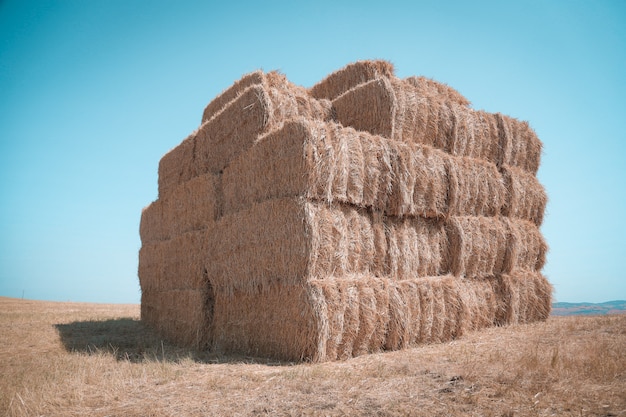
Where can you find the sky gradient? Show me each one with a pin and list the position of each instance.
(93, 93)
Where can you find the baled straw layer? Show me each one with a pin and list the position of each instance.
(291, 240)
(407, 111)
(324, 161)
(341, 317)
(487, 246)
(256, 109)
(350, 76)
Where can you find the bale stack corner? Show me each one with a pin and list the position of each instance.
(363, 214)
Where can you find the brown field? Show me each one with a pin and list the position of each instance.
(74, 359)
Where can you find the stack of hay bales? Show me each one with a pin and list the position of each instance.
(366, 213)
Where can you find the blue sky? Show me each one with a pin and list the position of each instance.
(93, 93)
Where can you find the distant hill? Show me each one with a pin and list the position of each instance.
(572, 309)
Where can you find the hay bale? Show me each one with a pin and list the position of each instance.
(519, 144)
(525, 196)
(178, 315)
(174, 264)
(340, 317)
(478, 245)
(228, 95)
(524, 297)
(253, 111)
(479, 303)
(420, 182)
(297, 239)
(431, 88)
(279, 323)
(350, 76)
(279, 233)
(176, 167)
(151, 225)
(192, 205)
(368, 107)
(410, 111)
(418, 311)
(325, 161)
(487, 246)
(475, 187)
(416, 247)
(526, 247)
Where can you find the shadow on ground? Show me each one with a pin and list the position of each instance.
(129, 339)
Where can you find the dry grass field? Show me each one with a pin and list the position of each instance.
(73, 359)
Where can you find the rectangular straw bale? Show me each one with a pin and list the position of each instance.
(325, 161)
(191, 205)
(475, 187)
(407, 111)
(351, 297)
(526, 248)
(434, 119)
(479, 303)
(519, 143)
(342, 240)
(151, 265)
(178, 315)
(232, 130)
(486, 246)
(151, 225)
(174, 264)
(368, 107)
(303, 158)
(228, 95)
(350, 76)
(525, 196)
(416, 311)
(296, 239)
(478, 245)
(420, 181)
(264, 245)
(176, 166)
(416, 247)
(278, 323)
(428, 87)
(524, 297)
(257, 109)
(184, 261)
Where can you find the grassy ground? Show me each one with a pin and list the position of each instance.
(71, 359)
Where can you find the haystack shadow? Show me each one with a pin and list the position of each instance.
(128, 339)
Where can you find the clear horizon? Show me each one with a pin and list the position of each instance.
(94, 93)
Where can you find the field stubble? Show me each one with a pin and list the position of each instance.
(75, 359)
